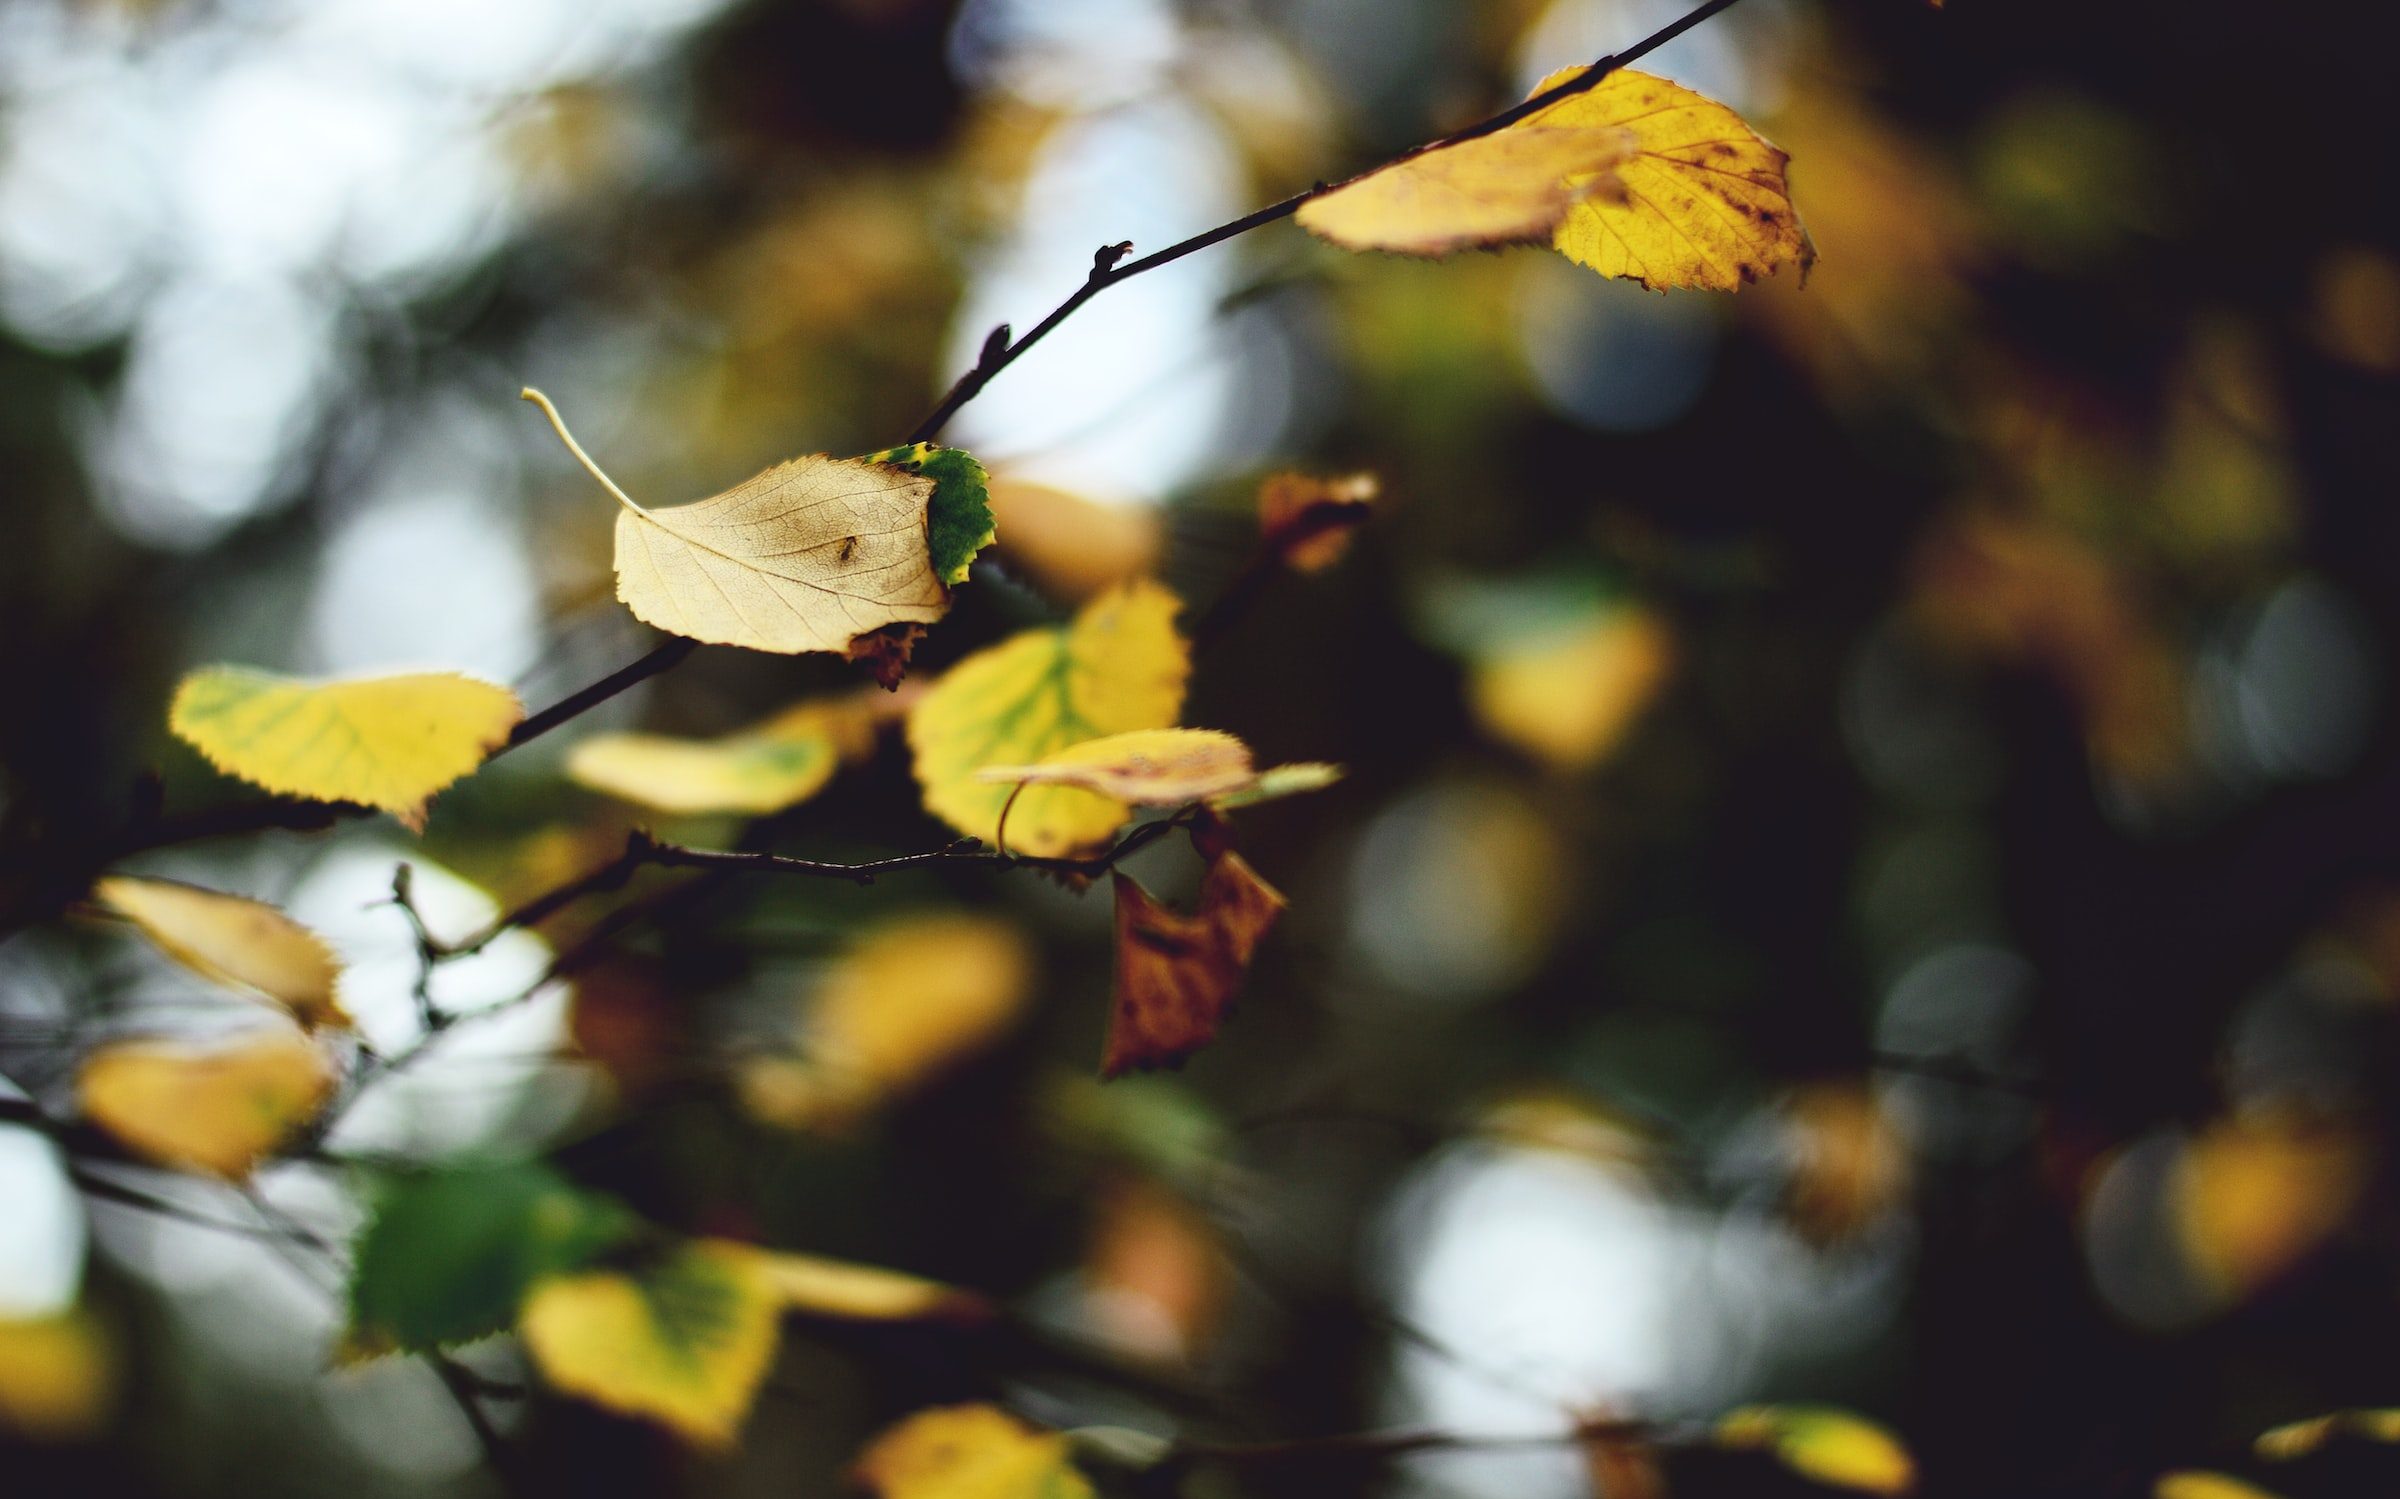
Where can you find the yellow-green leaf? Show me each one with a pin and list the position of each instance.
(867, 1293)
(1702, 200)
(1821, 1442)
(684, 1340)
(969, 1452)
(765, 768)
(1147, 768)
(2196, 1483)
(2299, 1438)
(1278, 781)
(388, 742)
(1118, 666)
(57, 1377)
(1512, 187)
(218, 1110)
(912, 996)
(232, 940)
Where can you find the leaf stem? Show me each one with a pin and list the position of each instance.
(558, 424)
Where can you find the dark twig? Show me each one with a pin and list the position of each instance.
(1109, 265)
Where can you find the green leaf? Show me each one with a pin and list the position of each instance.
(958, 521)
(448, 1255)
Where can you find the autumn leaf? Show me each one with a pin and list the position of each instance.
(1177, 974)
(1701, 200)
(2297, 1439)
(810, 555)
(1306, 519)
(958, 519)
(1568, 694)
(1824, 1443)
(389, 742)
(969, 1452)
(908, 999)
(1119, 665)
(684, 1339)
(2198, 1483)
(2250, 1197)
(1145, 768)
(58, 1377)
(1511, 187)
(1279, 781)
(821, 1287)
(765, 768)
(230, 940)
(1069, 546)
(218, 1110)
(448, 1255)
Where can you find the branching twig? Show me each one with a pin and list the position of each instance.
(1110, 267)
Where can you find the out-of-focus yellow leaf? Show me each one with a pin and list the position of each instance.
(2296, 1439)
(1849, 1163)
(57, 1377)
(1118, 666)
(217, 1109)
(1070, 546)
(2196, 1483)
(232, 940)
(1177, 974)
(1156, 1275)
(1147, 767)
(1512, 187)
(764, 768)
(969, 1452)
(1701, 201)
(867, 1293)
(909, 999)
(2356, 316)
(1306, 519)
(684, 1340)
(1821, 1442)
(2251, 1196)
(810, 555)
(389, 742)
(1567, 696)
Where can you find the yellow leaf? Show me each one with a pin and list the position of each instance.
(838, 1288)
(1828, 1445)
(1177, 974)
(807, 556)
(1306, 520)
(1567, 697)
(57, 1377)
(685, 1340)
(2252, 1196)
(2194, 1483)
(1512, 187)
(1701, 202)
(218, 1110)
(1072, 547)
(969, 1452)
(765, 768)
(1147, 768)
(1277, 782)
(2300, 1438)
(389, 742)
(910, 998)
(232, 940)
(1850, 1164)
(1118, 666)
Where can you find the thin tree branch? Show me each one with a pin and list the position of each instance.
(1110, 267)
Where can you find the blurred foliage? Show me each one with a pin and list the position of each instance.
(1869, 869)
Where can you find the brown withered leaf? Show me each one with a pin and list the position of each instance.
(1177, 974)
(885, 652)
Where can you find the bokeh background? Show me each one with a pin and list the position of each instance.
(1870, 870)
